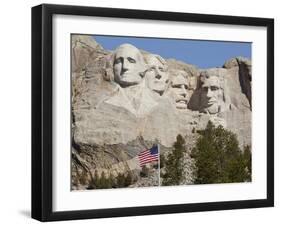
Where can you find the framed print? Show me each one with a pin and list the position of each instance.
(146, 112)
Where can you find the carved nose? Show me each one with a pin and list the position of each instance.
(125, 65)
(124, 70)
(158, 76)
(183, 94)
(183, 91)
(209, 93)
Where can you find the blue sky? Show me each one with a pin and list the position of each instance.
(203, 54)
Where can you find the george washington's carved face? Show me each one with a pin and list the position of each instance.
(128, 65)
(211, 95)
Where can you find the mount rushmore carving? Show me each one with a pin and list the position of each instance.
(126, 100)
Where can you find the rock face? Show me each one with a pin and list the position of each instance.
(126, 101)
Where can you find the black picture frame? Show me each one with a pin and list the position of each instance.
(42, 107)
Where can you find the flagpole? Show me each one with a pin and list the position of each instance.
(158, 146)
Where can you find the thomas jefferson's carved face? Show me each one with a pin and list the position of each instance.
(157, 76)
(211, 95)
(179, 90)
(128, 65)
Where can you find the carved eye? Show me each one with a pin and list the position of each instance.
(151, 69)
(131, 60)
(214, 88)
(161, 69)
(205, 89)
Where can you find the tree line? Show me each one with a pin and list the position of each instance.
(103, 182)
(217, 157)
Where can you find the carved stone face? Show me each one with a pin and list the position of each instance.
(211, 95)
(179, 91)
(128, 65)
(157, 76)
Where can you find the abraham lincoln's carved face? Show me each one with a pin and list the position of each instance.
(211, 95)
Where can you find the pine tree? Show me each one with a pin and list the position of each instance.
(144, 171)
(95, 182)
(128, 179)
(110, 181)
(248, 161)
(162, 161)
(173, 165)
(218, 158)
(103, 183)
(120, 180)
(83, 177)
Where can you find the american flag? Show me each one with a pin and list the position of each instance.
(148, 156)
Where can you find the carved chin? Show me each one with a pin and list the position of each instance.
(181, 105)
(159, 89)
(213, 109)
(129, 80)
(157, 85)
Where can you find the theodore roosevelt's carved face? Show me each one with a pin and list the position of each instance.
(179, 90)
(128, 65)
(156, 75)
(211, 95)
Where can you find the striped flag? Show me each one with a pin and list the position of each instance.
(148, 156)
